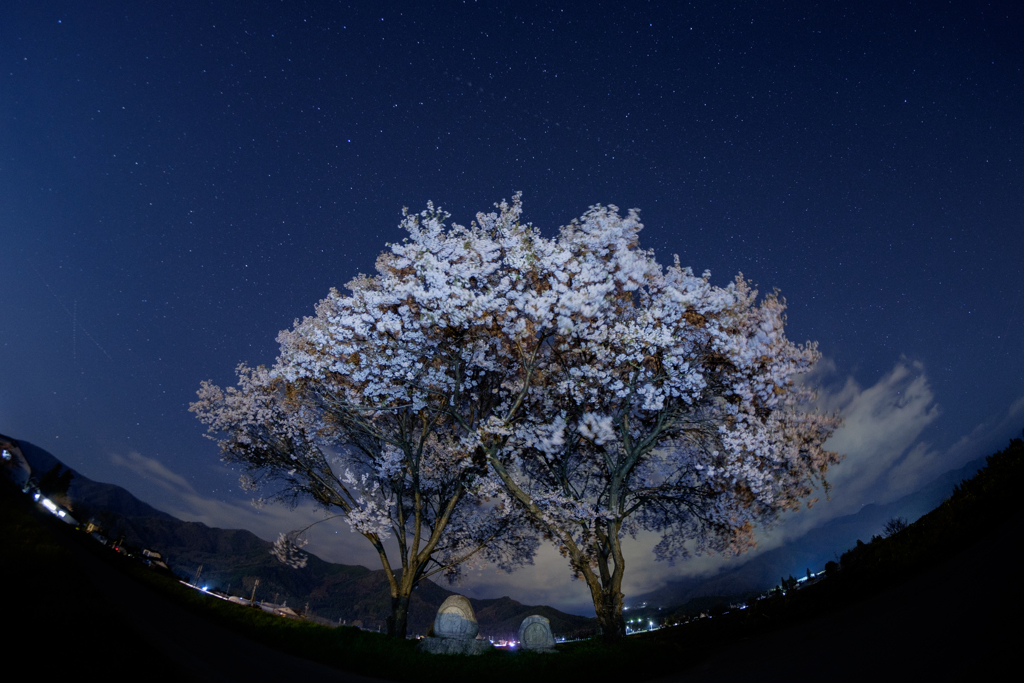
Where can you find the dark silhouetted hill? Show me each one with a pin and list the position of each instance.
(811, 551)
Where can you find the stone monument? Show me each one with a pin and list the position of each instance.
(455, 630)
(535, 634)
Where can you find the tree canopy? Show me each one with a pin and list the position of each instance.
(489, 381)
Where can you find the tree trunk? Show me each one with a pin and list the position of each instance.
(398, 622)
(609, 614)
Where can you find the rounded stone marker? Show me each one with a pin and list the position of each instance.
(535, 634)
(456, 619)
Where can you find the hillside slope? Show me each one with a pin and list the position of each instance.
(811, 551)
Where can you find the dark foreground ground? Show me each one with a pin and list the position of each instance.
(959, 621)
(68, 612)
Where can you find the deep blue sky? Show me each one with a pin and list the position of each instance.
(180, 181)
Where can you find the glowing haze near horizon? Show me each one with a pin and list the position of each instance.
(178, 184)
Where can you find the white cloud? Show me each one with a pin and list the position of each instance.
(153, 471)
(880, 425)
(923, 463)
(331, 540)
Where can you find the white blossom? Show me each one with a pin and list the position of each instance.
(286, 550)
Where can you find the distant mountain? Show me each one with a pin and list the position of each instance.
(233, 559)
(810, 551)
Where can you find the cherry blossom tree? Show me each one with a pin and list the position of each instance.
(367, 412)
(651, 400)
(488, 375)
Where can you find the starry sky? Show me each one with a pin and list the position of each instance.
(181, 180)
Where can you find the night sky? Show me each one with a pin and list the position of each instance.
(181, 180)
